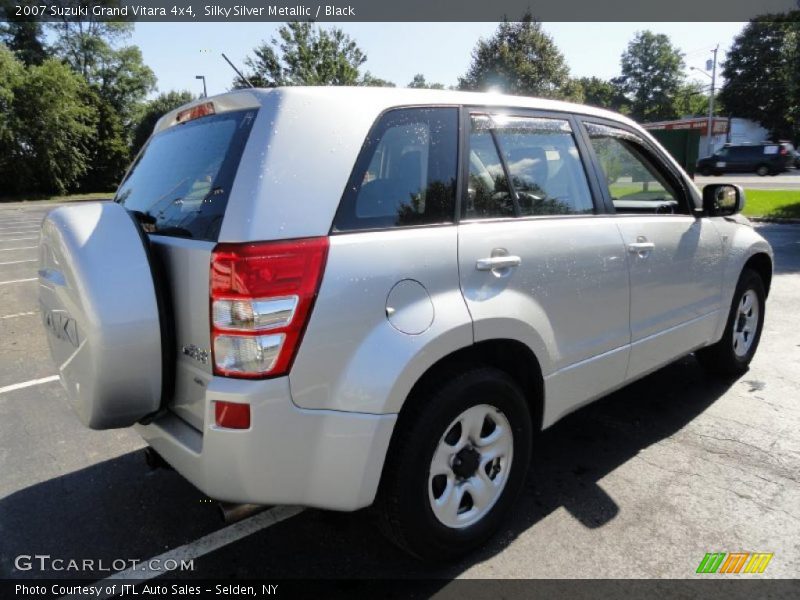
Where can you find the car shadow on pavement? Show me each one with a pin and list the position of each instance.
(570, 459)
(120, 509)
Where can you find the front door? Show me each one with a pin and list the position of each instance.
(673, 255)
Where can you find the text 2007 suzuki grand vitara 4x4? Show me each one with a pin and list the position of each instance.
(339, 297)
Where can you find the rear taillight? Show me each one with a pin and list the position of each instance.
(261, 298)
(783, 151)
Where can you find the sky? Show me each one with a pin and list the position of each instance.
(177, 52)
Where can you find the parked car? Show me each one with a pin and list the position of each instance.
(767, 158)
(339, 298)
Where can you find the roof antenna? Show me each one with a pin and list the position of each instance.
(238, 72)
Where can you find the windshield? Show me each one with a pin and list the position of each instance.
(180, 183)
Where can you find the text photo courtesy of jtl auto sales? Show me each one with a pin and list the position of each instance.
(379, 299)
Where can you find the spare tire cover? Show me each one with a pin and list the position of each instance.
(98, 302)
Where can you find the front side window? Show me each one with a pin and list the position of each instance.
(524, 166)
(406, 172)
(636, 183)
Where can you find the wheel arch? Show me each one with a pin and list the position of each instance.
(511, 356)
(761, 263)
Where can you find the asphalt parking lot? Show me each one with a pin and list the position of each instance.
(638, 485)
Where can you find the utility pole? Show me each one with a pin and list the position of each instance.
(203, 77)
(713, 66)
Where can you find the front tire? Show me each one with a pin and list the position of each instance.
(732, 354)
(456, 464)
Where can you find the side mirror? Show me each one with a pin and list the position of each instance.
(722, 199)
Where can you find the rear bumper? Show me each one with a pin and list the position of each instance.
(319, 458)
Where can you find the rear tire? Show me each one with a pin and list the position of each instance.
(762, 170)
(475, 429)
(732, 354)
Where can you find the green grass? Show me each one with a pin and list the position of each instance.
(780, 204)
(67, 198)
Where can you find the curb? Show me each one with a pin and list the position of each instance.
(778, 220)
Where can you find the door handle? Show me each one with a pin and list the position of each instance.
(641, 249)
(497, 262)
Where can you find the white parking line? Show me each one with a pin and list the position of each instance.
(20, 239)
(20, 232)
(209, 543)
(18, 248)
(17, 281)
(18, 262)
(27, 384)
(25, 314)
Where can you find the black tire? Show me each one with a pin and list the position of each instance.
(762, 170)
(705, 171)
(721, 358)
(403, 507)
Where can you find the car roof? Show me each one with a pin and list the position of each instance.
(378, 99)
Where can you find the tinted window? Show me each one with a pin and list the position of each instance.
(406, 172)
(541, 172)
(181, 181)
(488, 194)
(636, 181)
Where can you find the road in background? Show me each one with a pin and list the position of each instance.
(790, 180)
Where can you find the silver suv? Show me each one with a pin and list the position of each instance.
(339, 297)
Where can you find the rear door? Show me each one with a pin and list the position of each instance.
(673, 255)
(538, 261)
(178, 189)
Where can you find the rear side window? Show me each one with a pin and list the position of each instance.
(180, 183)
(406, 172)
(524, 166)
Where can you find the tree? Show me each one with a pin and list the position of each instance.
(24, 38)
(305, 55)
(420, 83)
(11, 74)
(692, 100)
(369, 80)
(119, 82)
(83, 41)
(762, 74)
(603, 94)
(520, 58)
(54, 126)
(652, 73)
(152, 111)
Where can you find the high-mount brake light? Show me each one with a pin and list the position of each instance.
(262, 295)
(195, 112)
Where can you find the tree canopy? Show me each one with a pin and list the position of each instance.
(305, 54)
(520, 58)
(652, 74)
(419, 82)
(762, 74)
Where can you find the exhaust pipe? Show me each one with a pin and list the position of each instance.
(155, 461)
(232, 512)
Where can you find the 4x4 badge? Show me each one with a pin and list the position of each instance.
(196, 353)
(62, 326)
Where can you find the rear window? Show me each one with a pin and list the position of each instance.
(180, 183)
